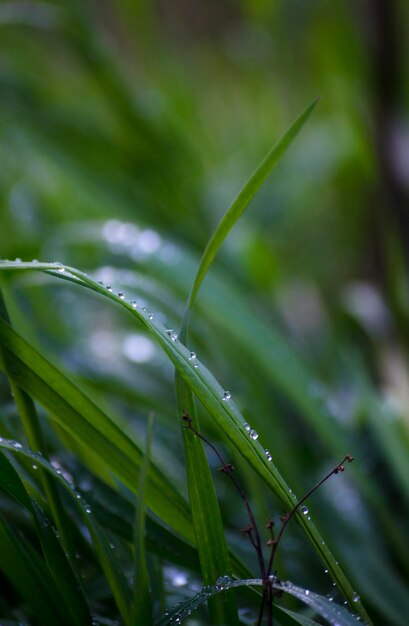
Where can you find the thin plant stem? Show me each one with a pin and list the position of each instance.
(286, 518)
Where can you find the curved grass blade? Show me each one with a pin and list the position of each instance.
(142, 603)
(333, 613)
(104, 552)
(242, 200)
(225, 413)
(67, 580)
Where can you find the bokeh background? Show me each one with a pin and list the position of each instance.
(127, 128)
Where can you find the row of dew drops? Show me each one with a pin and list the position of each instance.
(173, 336)
(185, 608)
(37, 457)
(59, 267)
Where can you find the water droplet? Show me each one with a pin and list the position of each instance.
(330, 597)
(121, 295)
(226, 395)
(17, 260)
(195, 365)
(268, 455)
(307, 592)
(253, 434)
(192, 356)
(134, 304)
(355, 597)
(16, 445)
(34, 466)
(78, 496)
(223, 582)
(325, 571)
(109, 288)
(88, 508)
(150, 316)
(247, 427)
(304, 510)
(1, 439)
(172, 334)
(60, 268)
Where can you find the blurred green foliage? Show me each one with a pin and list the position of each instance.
(126, 130)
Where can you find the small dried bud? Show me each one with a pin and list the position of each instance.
(186, 417)
(247, 530)
(226, 469)
(284, 518)
(270, 524)
(271, 542)
(349, 458)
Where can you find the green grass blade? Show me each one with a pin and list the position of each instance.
(333, 613)
(142, 603)
(207, 520)
(106, 556)
(243, 199)
(67, 580)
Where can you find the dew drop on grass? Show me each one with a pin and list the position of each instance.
(109, 288)
(226, 395)
(150, 316)
(134, 304)
(192, 356)
(253, 434)
(34, 466)
(196, 366)
(121, 295)
(223, 582)
(247, 427)
(268, 455)
(172, 334)
(16, 445)
(304, 510)
(88, 508)
(307, 592)
(355, 597)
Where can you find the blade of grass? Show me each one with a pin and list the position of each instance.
(210, 537)
(207, 521)
(242, 200)
(142, 602)
(201, 490)
(333, 613)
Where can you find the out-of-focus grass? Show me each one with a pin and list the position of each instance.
(126, 131)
